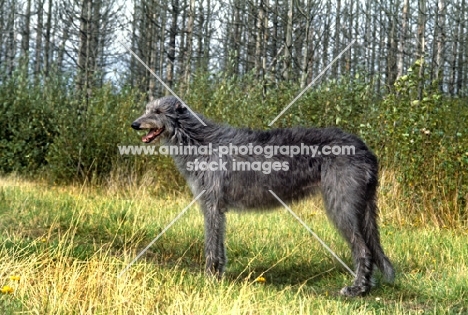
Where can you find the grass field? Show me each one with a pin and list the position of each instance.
(62, 248)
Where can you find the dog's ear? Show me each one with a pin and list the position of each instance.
(180, 108)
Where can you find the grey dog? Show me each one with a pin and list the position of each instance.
(241, 179)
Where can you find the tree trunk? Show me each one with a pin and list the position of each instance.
(349, 53)
(61, 50)
(337, 45)
(151, 48)
(402, 42)
(462, 46)
(48, 40)
(288, 46)
(440, 42)
(305, 55)
(237, 37)
(172, 44)
(274, 40)
(207, 32)
(134, 45)
(379, 53)
(96, 40)
(183, 40)
(38, 59)
(201, 23)
(264, 48)
(188, 51)
(326, 35)
(26, 33)
(2, 30)
(258, 41)
(11, 43)
(392, 46)
(82, 64)
(162, 39)
(421, 49)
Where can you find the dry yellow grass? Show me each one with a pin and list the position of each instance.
(44, 270)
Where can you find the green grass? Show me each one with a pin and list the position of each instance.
(68, 245)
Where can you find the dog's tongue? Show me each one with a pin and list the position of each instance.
(152, 134)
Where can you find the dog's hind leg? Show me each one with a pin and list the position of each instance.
(215, 228)
(372, 237)
(345, 207)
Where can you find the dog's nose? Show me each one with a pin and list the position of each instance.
(136, 125)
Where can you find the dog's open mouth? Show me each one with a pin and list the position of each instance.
(152, 134)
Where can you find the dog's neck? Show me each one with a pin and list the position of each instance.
(187, 133)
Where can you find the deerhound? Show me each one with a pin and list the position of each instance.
(239, 171)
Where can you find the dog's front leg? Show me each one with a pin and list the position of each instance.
(215, 253)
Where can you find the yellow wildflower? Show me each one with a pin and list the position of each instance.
(260, 280)
(15, 278)
(6, 289)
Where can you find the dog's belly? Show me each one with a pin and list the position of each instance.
(255, 194)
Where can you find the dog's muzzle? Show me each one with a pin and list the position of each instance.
(152, 134)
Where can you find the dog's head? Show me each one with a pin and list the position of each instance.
(160, 118)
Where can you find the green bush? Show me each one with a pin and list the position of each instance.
(28, 123)
(89, 131)
(423, 134)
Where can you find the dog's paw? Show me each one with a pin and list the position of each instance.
(214, 273)
(353, 291)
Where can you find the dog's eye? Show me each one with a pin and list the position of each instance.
(157, 111)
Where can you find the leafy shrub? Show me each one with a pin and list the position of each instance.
(27, 117)
(423, 135)
(88, 133)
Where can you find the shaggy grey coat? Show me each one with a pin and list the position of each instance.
(348, 183)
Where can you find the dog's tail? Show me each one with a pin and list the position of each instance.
(372, 238)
